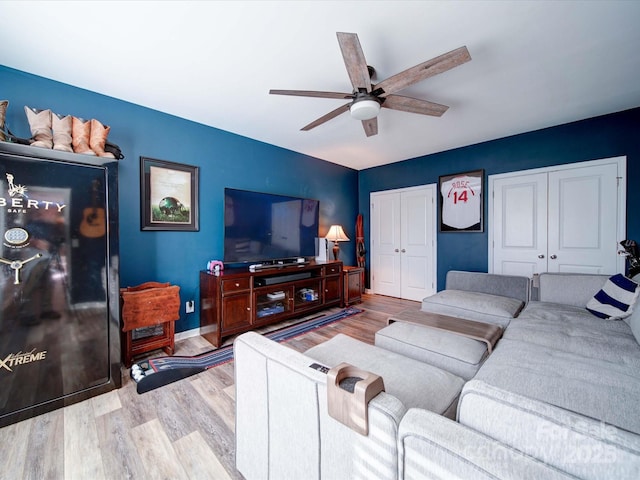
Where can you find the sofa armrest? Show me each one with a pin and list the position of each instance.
(494, 284)
(283, 429)
(432, 446)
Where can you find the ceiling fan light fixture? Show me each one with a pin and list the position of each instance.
(364, 109)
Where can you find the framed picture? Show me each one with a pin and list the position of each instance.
(461, 202)
(168, 196)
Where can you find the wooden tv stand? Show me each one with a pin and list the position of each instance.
(238, 300)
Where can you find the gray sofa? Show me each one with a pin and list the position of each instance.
(557, 398)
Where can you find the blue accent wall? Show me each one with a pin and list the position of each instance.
(229, 160)
(225, 160)
(600, 137)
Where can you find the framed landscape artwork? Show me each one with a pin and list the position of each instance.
(168, 196)
(461, 202)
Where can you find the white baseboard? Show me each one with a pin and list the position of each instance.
(194, 332)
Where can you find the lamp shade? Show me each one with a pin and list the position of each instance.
(336, 234)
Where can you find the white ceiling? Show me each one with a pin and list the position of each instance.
(534, 64)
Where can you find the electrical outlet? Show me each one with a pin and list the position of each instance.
(190, 306)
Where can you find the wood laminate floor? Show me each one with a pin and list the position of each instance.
(184, 430)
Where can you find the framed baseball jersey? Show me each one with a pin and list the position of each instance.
(461, 202)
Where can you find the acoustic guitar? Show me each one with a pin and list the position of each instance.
(94, 222)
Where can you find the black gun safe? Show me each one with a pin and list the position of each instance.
(59, 298)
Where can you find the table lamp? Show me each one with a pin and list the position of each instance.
(336, 234)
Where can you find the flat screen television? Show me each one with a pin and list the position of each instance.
(262, 227)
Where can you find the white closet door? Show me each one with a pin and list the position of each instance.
(568, 218)
(385, 244)
(403, 242)
(417, 237)
(519, 220)
(583, 220)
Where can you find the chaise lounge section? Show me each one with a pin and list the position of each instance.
(479, 299)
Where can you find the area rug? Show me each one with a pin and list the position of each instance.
(157, 372)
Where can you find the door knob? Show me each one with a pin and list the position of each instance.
(541, 256)
(396, 250)
(403, 250)
(553, 257)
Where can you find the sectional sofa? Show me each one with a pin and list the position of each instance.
(556, 398)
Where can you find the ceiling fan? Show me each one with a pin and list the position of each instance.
(366, 98)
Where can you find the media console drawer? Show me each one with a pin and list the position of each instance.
(235, 284)
(333, 269)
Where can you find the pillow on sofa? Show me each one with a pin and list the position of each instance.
(616, 298)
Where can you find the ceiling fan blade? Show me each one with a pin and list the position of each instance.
(423, 71)
(327, 117)
(414, 105)
(312, 93)
(370, 126)
(354, 61)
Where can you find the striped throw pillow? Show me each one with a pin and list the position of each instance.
(616, 299)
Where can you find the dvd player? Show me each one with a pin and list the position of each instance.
(275, 279)
(277, 263)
